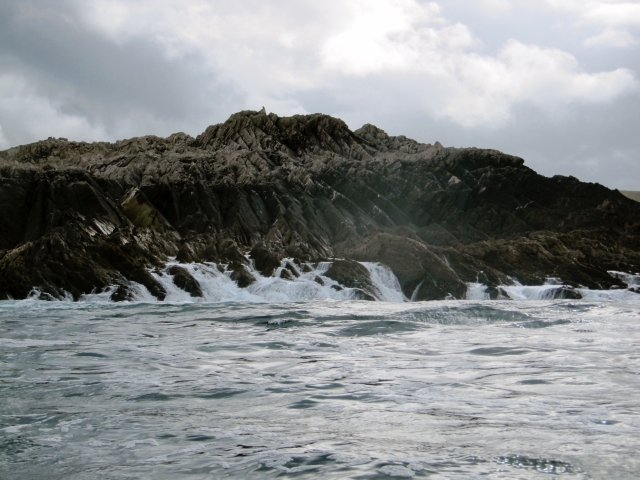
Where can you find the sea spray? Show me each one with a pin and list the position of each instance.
(217, 285)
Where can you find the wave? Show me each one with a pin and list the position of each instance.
(554, 289)
(311, 283)
(217, 286)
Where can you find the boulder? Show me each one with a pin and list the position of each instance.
(292, 269)
(185, 281)
(241, 275)
(285, 274)
(266, 258)
(496, 293)
(422, 274)
(122, 294)
(352, 274)
(563, 293)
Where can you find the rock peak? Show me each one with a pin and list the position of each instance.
(296, 134)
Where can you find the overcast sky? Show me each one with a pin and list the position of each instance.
(556, 82)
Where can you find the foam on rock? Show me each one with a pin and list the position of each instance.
(308, 284)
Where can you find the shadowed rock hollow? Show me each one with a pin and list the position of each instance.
(78, 217)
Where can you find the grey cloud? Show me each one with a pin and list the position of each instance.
(87, 75)
(132, 88)
(595, 143)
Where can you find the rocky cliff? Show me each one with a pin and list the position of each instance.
(79, 217)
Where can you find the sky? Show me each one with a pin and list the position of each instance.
(556, 82)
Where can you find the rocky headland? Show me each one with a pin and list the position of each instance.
(262, 193)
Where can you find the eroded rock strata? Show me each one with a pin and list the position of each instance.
(78, 217)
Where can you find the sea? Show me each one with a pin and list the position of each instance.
(296, 379)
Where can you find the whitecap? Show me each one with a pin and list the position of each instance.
(397, 471)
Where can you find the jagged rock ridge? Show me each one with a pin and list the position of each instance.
(77, 217)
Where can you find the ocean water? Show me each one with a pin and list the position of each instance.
(267, 387)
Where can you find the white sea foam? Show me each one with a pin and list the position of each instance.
(14, 428)
(135, 443)
(628, 278)
(535, 292)
(350, 460)
(397, 471)
(50, 440)
(28, 342)
(386, 282)
(550, 290)
(217, 286)
(322, 389)
(608, 295)
(37, 294)
(476, 291)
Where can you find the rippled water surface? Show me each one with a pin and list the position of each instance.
(323, 389)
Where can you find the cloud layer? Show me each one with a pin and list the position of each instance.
(107, 69)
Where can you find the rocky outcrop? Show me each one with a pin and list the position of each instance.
(266, 258)
(139, 210)
(423, 275)
(185, 281)
(242, 276)
(352, 274)
(77, 218)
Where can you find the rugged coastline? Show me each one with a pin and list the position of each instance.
(278, 195)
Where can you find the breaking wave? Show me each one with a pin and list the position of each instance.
(310, 282)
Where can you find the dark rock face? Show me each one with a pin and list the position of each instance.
(139, 210)
(565, 293)
(423, 275)
(496, 293)
(185, 281)
(353, 275)
(122, 294)
(242, 276)
(78, 217)
(286, 275)
(292, 269)
(266, 259)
